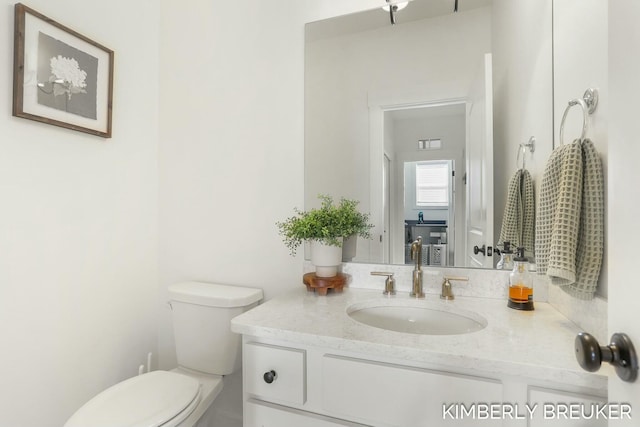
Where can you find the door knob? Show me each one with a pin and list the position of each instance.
(620, 353)
(476, 249)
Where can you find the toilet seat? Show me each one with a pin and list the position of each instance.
(158, 398)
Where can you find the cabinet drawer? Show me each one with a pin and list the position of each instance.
(563, 409)
(392, 395)
(262, 414)
(288, 364)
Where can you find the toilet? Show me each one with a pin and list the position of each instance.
(206, 349)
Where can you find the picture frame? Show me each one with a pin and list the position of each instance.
(61, 77)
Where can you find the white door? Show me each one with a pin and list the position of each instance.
(479, 163)
(623, 202)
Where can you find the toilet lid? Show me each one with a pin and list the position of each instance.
(148, 400)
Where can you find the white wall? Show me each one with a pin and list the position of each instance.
(581, 31)
(79, 217)
(79, 220)
(231, 146)
(232, 142)
(523, 91)
(524, 85)
(581, 37)
(78, 227)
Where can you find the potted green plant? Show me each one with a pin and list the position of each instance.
(325, 228)
(354, 224)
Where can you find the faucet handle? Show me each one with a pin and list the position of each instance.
(447, 290)
(389, 284)
(457, 278)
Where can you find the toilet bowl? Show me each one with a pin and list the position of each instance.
(206, 350)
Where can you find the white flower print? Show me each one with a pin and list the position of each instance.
(67, 77)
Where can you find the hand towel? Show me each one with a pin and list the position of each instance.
(518, 221)
(570, 222)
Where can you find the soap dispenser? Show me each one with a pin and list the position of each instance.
(520, 283)
(506, 257)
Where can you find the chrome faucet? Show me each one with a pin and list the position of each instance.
(416, 255)
(447, 290)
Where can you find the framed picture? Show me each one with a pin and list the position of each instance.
(60, 77)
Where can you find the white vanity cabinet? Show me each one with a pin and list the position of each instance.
(322, 387)
(396, 395)
(307, 363)
(264, 414)
(559, 415)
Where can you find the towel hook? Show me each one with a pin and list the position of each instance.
(531, 145)
(588, 103)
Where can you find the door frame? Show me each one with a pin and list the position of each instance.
(378, 106)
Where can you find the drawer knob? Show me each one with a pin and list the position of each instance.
(270, 376)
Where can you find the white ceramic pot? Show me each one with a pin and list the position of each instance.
(326, 258)
(349, 248)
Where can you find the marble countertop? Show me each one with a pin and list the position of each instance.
(535, 344)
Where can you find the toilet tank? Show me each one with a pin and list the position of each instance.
(202, 314)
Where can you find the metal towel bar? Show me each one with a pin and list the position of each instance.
(588, 103)
(531, 146)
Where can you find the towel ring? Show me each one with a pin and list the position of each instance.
(588, 103)
(531, 146)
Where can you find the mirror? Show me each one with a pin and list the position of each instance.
(388, 105)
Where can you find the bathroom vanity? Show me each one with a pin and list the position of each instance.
(308, 362)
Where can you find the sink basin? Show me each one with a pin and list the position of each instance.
(417, 318)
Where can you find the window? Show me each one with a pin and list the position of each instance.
(430, 144)
(432, 183)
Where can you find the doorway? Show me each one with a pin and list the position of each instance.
(426, 134)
